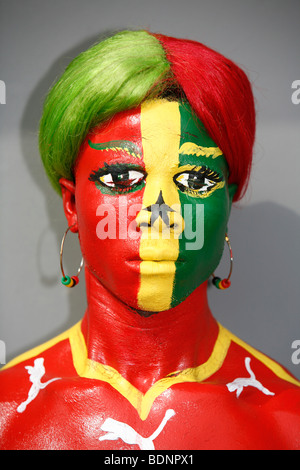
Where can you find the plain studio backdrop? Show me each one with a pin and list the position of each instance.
(37, 40)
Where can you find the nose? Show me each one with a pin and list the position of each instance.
(160, 218)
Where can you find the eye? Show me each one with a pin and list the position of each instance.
(122, 180)
(194, 182)
(199, 181)
(119, 178)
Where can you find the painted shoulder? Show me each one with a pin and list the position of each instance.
(22, 378)
(259, 357)
(254, 378)
(56, 351)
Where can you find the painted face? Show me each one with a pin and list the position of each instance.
(153, 203)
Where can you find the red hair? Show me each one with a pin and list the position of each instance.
(221, 95)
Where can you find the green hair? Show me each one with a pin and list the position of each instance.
(116, 74)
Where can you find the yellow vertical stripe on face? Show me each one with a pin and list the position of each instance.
(160, 129)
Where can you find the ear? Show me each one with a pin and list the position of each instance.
(68, 197)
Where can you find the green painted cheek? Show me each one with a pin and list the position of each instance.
(202, 242)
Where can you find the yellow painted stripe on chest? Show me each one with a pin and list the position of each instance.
(142, 402)
(160, 129)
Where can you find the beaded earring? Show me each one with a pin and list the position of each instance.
(67, 280)
(224, 283)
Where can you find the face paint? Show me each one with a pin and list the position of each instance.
(160, 125)
(188, 171)
(118, 178)
(130, 147)
(205, 186)
(160, 159)
(110, 181)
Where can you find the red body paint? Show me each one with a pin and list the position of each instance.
(119, 369)
(70, 413)
(114, 261)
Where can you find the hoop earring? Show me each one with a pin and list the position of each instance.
(67, 280)
(224, 283)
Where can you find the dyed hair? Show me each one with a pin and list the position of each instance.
(130, 67)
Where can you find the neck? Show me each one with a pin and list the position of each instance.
(144, 349)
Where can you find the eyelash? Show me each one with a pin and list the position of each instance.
(206, 177)
(115, 171)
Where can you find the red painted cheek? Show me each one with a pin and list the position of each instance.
(107, 230)
(110, 243)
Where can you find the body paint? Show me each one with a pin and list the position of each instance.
(130, 147)
(194, 266)
(190, 148)
(175, 141)
(160, 152)
(182, 193)
(114, 261)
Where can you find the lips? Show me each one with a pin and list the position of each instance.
(150, 268)
(158, 256)
(160, 250)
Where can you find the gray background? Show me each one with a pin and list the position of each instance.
(37, 40)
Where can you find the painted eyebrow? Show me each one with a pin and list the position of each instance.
(130, 147)
(189, 148)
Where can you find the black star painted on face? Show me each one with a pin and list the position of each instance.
(159, 209)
